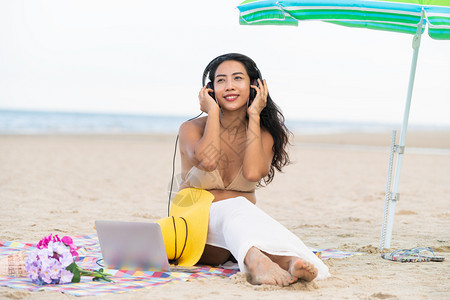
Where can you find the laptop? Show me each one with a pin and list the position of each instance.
(132, 245)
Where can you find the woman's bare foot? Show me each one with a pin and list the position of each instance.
(264, 271)
(302, 269)
(296, 266)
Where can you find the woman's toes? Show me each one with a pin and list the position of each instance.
(302, 269)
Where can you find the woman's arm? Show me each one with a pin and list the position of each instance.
(201, 143)
(258, 152)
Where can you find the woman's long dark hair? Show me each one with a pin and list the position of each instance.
(271, 117)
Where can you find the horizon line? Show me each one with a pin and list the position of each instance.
(287, 119)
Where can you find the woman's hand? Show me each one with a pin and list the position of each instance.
(260, 100)
(207, 103)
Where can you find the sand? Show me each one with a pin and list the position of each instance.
(332, 196)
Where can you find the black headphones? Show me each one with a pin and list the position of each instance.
(210, 84)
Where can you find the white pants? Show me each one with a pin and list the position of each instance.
(237, 225)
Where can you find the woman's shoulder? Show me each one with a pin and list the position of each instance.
(266, 135)
(197, 124)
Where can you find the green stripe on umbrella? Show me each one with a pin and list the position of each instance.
(399, 15)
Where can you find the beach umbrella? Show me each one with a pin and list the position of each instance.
(403, 16)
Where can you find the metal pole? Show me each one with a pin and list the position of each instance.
(388, 196)
(398, 166)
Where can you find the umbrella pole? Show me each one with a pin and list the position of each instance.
(394, 196)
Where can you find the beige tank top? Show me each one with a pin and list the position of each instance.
(213, 181)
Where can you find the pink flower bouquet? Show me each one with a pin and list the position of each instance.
(53, 262)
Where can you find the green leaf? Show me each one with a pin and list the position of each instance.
(73, 268)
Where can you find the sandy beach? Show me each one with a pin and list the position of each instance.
(331, 196)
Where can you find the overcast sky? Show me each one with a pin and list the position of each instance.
(148, 57)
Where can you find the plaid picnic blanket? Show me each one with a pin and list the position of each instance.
(124, 280)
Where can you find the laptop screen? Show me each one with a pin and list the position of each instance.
(132, 245)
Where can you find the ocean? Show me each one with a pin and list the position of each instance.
(50, 122)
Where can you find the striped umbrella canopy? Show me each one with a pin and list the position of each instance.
(390, 15)
(404, 16)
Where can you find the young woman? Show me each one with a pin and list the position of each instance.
(237, 146)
